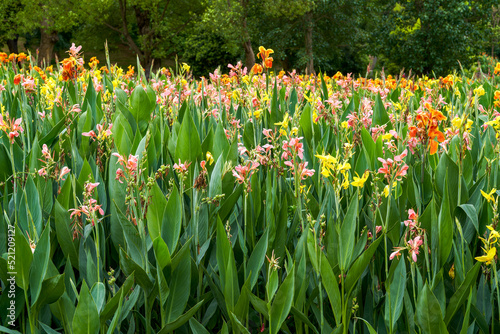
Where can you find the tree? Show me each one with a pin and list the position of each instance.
(147, 26)
(432, 35)
(51, 17)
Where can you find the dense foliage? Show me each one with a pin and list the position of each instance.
(427, 37)
(246, 202)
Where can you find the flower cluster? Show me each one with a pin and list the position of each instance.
(11, 127)
(427, 130)
(394, 169)
(489, 246)
(86, 212)
(413, 237)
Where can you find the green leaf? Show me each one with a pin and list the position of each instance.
(360, 265)
(179, 290)
(115, 321)
(346, 241)
(24, 258)
(155, 212)
(196, 327)
(257, 258)
(371, 330)
(380, 116)
(332, 288)
(181, 320)
(86, 318)
(53, 288)
(65, 235)
(172, 220)
(282, 303)
(188, 148)
(112, 305)
(429, 316)
(394, 301)
(461, 294)
(445, 227)
(141, 107)
(98, 293)
(40, 263)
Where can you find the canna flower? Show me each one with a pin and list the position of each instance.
(414, 246)
(489, 196)
(256, 69)
(181, 167)
(360, 181)
(490, 248)
(209, 158)
(490, 255)
(65, 170)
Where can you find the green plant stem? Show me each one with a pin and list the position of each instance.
(386, 259)
(245, 251)
(497, 287)
(14, 193)
(345, 324)
(32, 327)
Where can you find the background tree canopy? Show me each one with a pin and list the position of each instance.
(429, 37)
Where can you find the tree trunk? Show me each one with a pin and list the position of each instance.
(309, 44)
(249, 55)
(143, 19)
(247, 43)
(12, 44)
(48, 40)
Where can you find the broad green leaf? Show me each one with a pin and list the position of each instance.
(394, 300)
(155, 212)
(188, 148)
(332, 288)
(282, 303)
(462, 293)
(86, 318)
(24, 258)
(257, 258)
(429, 316)
(40, 263)
(181, 320)
(52, 289)
(172, 220)
(380, 116)
(179, 290)
(141, 107)
(347, 230)
(112, 304)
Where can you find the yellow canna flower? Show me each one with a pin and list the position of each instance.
(489, 196)
(479, 91)
(210, 158)
(387, 137)
(344, 124)
(490, 255)
(494, 235)
(360, 181)
(284, 123)
(186, 67)
(457, 122)
(345, 182)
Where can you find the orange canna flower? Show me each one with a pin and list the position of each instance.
(257, 68)
(263, 53)
(17, 79)
(12, 57)
(22, 56)
(3, 57)
(268, 62)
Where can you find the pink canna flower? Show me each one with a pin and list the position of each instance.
(414, 245)
(181, 167)
(65, 170)
(89, 187)
(119, 175)
(91, 133)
